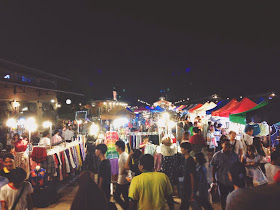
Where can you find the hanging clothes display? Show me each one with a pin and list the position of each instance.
(38, 178)
(111, 137)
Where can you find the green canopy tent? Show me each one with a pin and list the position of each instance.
(241, 117)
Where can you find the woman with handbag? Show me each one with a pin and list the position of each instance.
(251, 161)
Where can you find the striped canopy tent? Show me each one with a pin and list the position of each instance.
(241, 117)
(194, 108)
(206, 106)
(219, 105)
(179, 108)
(229, 105)
(244, 105)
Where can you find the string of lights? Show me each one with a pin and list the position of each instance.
(143, 102)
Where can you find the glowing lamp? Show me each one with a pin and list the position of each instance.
(30, 124)
(94, 129)
(68, 101)
(47, 124)
(11, 123)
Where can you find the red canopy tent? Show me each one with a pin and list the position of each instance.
(229, 105)
(245, 105)
(194, 108)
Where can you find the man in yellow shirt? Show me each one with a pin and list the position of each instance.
(150, 190)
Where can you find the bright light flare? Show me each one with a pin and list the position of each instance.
(94, 129)
(11, 123)
(120, 122)
(47, 124)
(30, 124)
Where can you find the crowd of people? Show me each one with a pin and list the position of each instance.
(240, 169)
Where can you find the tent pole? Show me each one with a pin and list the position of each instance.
(270, 140)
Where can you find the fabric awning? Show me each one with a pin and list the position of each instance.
(241, 117)
(219, 105)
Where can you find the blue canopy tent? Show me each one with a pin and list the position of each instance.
(219, 105)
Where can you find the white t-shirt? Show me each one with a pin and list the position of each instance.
(45, 141)
(9, 194)
(271, 170)
(67, 135)
(248, 139)
(238, 146)
(122, 177)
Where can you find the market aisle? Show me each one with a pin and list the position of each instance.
(66, 196)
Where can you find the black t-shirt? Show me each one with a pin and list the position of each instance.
(7, 175)
(134, 168)
(189, 168)
(105, 172)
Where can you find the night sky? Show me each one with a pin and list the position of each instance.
(194, 50)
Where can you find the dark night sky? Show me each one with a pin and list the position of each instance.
(195, 50)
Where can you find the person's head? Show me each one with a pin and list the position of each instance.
(136, 155)
(186, 136)
(251, 150)
(199, 158)
(120, 146)
(186, 148)
(257, 142)
(195, 124)
(223, 137)
(219, 126)
(199, 120)
(24, 137)
(146, 163)
(249, 130)
(100, 150)
(166, 141)
(237, 174)
(180, 124)
(8, 161)
(145, 139)
(211, 128)
(46, 133)
(10, 149)
(196, 130)
(16, 137)
(215, 124)
(89, 195)
(232, 134)
(275, 158)
(225, 144)
(190, 124)
(56, 132)
(18, 175)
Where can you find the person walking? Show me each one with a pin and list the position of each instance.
(122, 183)
(235, 144)
(189, 171)
(104, 170)
(247, 138)
(202, 186)
(150, 190)
(237, 175)
(17, 194)
(222, 162)
(197, 141)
